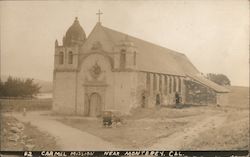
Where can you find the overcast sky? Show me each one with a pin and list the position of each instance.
(214, 35)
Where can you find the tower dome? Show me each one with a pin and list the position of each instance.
(75, 35)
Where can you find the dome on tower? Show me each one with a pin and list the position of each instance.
(74, 35)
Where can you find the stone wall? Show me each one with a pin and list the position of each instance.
(125, 91)
(152, 84)
(199, 94)
(64, 92)
(102, 84)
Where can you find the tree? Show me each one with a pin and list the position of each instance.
(15, 87)
(2, 91)
(220, 79)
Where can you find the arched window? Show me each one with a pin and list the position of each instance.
(70, 59)
(61, 57)
(123, 59)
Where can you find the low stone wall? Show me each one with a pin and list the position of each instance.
(7, 105)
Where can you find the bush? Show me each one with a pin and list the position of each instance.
(15, 87)
(220, 79)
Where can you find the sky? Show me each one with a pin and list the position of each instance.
(214, 35)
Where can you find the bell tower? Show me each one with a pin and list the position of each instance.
(125, 55)
(66, 55)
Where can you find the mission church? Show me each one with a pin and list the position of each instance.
(110, 70)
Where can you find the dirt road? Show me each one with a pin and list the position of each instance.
(179, 140)
(67, 138)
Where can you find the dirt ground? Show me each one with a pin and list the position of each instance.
(147, 129)
(131, 134)
(66, 137)
(233, 134)
(23, 136)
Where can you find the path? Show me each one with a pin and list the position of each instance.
(68, 138)
(181, 139)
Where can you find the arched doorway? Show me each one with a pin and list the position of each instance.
(143, 99)
(158, 100)
(143, 104)
(95, 105)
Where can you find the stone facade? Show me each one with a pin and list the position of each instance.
(105, 73)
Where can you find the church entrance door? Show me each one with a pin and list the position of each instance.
(95, 105)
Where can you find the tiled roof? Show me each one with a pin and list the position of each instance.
(155, 58)
(210, 84)
(150, 57)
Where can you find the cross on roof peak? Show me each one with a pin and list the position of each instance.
(99, 13)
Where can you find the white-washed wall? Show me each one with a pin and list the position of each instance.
(64, 92)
